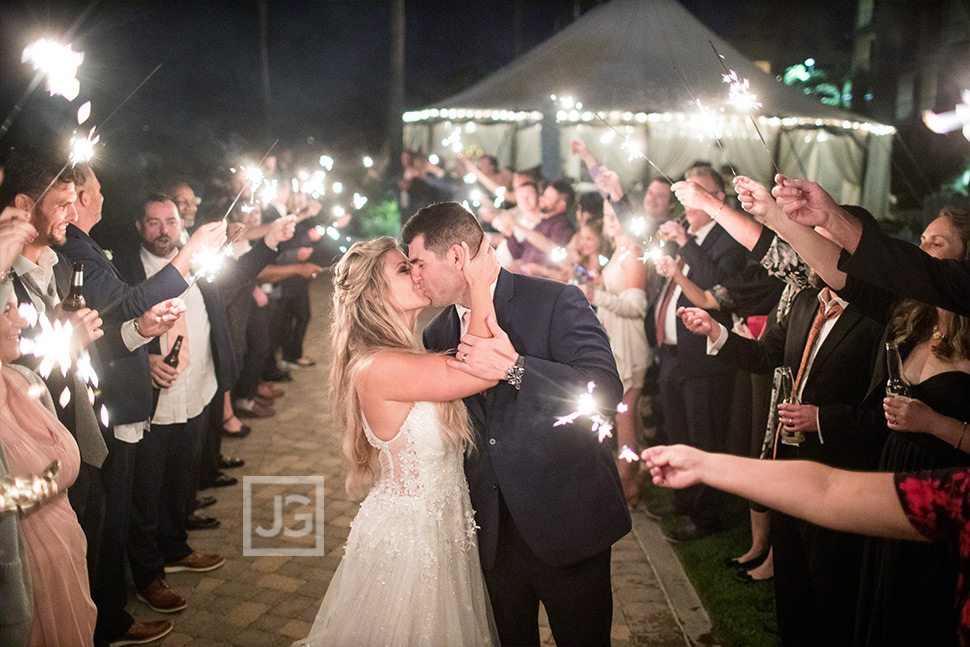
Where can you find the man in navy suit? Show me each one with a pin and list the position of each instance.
(548, 499)
(126, 385)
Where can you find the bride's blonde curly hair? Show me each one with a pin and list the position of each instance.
(364, 324)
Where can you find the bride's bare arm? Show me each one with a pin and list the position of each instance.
(410, 377)
(480, 272)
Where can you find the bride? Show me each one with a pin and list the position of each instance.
(410, 574)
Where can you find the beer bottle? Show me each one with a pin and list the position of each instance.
(74, 300)
(172, 359)
(897, 386)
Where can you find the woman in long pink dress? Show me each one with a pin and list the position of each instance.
(32, 438)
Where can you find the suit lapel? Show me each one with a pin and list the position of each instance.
(846, 322)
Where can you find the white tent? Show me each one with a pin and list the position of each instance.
(630, 73)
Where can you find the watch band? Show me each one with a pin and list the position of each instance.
(515, 373)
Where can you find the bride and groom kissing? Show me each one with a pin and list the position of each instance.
(475, 507)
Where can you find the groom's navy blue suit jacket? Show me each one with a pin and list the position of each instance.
(560, 483)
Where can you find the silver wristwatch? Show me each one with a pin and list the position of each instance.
(515, 372)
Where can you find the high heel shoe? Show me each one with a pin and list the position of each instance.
(749, 564)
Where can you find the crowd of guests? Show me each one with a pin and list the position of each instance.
(763, 336)
(182, 353)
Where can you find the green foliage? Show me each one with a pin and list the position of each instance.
(833, 89)
(380, 219)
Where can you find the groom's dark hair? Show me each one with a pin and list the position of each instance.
(444, 224)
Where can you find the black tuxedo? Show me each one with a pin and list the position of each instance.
(548, 499)
(817, 570)
(696, 390)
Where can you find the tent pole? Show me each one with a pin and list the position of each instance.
(551, 159)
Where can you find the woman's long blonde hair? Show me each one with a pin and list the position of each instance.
(363, 324)
(913, 320)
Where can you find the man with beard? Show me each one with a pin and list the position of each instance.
(554, 230)
(167, 458)
(41, 183)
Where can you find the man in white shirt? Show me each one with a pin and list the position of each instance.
(167, 460)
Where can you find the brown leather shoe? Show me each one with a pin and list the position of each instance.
(141, 633)
(269, 390)
(161, 597)
(197, 563)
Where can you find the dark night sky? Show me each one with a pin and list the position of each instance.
(328, 67)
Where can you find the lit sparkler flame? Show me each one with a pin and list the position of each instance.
(368, 162)
(104, 415)
(327, 162)
(58, 63)
(433, 159)
(339, 212)
(359, 201)
(207, 263)
(82, 148)
(84, 112)
(601, 426)
(739, 92)
(470, 178)
(337, 187)
(52, 345)
(628, 455)
(704, 121)
(558, 254)
(945, 122)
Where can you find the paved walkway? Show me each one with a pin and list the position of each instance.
(256, 601)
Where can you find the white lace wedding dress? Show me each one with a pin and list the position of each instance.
(410, 574)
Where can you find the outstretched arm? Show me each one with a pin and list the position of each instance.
(864, 503)
(819, 252)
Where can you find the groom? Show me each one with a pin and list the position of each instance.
(548, 499)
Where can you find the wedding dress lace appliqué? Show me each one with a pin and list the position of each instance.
(410, 574)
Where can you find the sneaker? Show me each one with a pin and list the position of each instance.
(196, 563)
(159, 596)
(140, 633)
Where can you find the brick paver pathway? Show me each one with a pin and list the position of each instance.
(271, 600)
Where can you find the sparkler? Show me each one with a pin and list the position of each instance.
(628, 455)
(740, 95)
(82, 148)
(58, 63)
(601, 426)
(23, 494)
(52, 345)
(368, 162)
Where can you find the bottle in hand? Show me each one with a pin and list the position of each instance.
(172, 359)
(74, 300)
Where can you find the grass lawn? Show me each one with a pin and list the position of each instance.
(743, 615)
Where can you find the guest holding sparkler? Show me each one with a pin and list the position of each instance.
(916, 506)
(554, 230)
(31, 438)
(124, 373)
(695, 389)
(924, 433)
(167, 459)
(41, 182)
